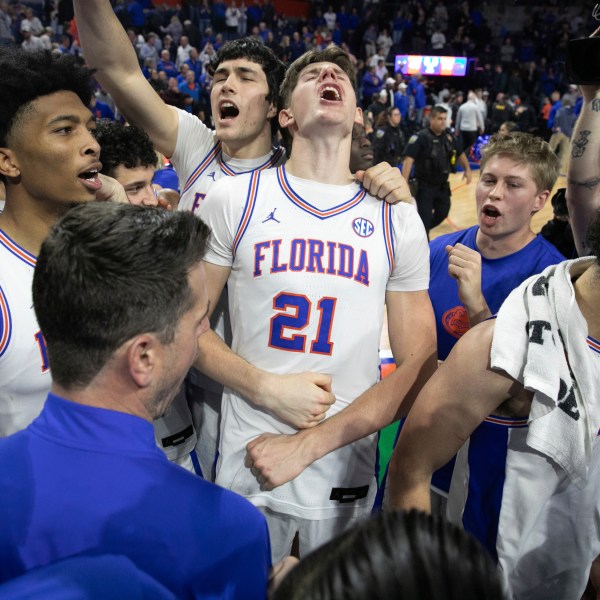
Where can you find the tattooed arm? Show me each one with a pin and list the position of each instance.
(583, 177)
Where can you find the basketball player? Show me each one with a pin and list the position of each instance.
(49, 160)
(310, 259)
(246, 78)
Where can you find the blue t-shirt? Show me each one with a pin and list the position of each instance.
(499, 277)
(86, 480)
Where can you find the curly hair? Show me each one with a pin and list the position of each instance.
(27, 76)
(256, 52)
(120, 145)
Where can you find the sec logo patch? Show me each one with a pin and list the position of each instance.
(362, 227)
(456, 321)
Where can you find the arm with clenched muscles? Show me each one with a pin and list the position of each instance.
(108, 50)
(299, 399)
(460, 395)
(276, 459)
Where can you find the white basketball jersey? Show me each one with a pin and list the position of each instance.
(199, 161)
(24, 374)
(311, 264)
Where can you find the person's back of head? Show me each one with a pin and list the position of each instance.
(525, 149)
(106, 273)
(396, 555)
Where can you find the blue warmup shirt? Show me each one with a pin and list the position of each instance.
(85, 480)
(499, 277)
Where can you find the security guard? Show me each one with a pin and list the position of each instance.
(433, 151)
(388, 138)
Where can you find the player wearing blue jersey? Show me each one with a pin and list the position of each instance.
(310, 259)
(86, 476)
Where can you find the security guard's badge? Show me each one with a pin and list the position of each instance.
(413, 139)
(380, 133)
(449, 137)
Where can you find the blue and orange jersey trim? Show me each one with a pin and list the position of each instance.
(309, 208)
(5, 323)
(515, 422)
(593, 344)
(14, 248)
(208, 159)
(248, 209)
(217, 154)
(273, 160)
(388, 233)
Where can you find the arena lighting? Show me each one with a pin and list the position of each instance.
(412, 64)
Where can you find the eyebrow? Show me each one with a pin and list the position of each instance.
(245, 70)
(71, 119)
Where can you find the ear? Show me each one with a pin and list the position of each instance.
(358, 116)
(286, 119)
(143, 354)
(540, 201)
(272, 110)
(8, 163)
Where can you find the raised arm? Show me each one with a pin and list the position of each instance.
(108, 50)
(299, 399)
(278, 459)
(583, 176)
(459, 396)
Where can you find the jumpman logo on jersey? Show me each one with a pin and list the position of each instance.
(271, 217)
(212, 175)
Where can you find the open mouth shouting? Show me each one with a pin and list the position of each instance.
(489, 215)
(228, 111)
(330, 93)
(90, 178)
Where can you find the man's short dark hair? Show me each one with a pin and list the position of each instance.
(120, 145)
(438, 110)
(108, 272)
(396, 555)
(255, 51)
(27, 76)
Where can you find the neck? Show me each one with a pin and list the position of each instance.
(324, 160)
(28, 222)
(259, 146)
(497, 247)
(113, 398)
(587, 293)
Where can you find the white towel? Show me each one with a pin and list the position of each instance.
(540, 340)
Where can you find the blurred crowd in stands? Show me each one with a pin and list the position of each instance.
(516, 73)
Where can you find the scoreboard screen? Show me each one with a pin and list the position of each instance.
(411, 64)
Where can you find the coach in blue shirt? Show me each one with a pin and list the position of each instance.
(120, 297)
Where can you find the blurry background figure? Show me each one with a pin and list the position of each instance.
(396, 555)
(361, 153)
(388, 138)
(558, 230)
(506, 128)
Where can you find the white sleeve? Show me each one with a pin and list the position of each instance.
(194, 142)
(411, 251)
(221, 211)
